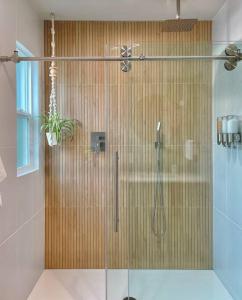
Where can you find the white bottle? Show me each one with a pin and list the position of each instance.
(233, 125)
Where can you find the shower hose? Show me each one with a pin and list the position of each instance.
(158, 198)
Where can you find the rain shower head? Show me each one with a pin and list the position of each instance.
(178, 24)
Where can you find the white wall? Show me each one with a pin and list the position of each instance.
(22, 211)
(227, 26)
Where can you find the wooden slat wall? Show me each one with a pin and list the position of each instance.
(80, 185)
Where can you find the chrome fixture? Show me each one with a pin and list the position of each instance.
(98, 141)
(178, 9)
(158, 192)
(125, 52)
(178, 24)
(15, 58)
(116, 212)
(158, 127)
(229, 131)
(158, 137)
(234, 56)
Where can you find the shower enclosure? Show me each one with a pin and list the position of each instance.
(140, 205)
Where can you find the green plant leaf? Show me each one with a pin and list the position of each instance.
(54, 123)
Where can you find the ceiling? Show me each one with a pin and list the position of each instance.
(126, 9)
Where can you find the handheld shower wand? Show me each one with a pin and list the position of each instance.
(158, 137)
(158, 126)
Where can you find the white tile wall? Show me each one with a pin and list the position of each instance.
(22, 211)
(8, 267)
(228, 162)
(227, 23)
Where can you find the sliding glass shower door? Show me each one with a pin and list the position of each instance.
(171, 225)
(159, 212)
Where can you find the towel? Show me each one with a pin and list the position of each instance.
(3, 173)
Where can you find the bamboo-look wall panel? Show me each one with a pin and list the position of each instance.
(80, 185)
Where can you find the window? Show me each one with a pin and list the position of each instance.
(27, 102)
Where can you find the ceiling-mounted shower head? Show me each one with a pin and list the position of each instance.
(178, 24)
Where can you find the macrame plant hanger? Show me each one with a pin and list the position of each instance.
(57, 127)
(53, 71)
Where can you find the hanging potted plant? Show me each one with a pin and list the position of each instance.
(57, 128)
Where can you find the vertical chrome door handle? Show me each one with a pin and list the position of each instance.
(116, 222)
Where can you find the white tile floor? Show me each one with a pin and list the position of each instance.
(143, 284)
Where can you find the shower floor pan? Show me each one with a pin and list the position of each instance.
(143, 285)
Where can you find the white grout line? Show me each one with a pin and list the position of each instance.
(228, 218)
(220, 9)
(19, 228)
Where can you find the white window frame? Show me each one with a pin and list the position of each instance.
(31, 114)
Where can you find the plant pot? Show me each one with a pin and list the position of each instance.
(51, 138)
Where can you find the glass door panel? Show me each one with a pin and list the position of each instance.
(159, 153)
(170, 227)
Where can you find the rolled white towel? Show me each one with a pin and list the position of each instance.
(3, 173)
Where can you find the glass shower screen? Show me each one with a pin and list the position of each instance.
(159, 158)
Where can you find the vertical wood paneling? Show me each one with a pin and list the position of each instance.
(80, 185)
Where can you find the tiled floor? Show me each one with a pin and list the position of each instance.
(143, 285)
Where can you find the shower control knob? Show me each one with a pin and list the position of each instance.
(126, 51)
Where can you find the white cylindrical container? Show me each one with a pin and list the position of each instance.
(219, 130)
(233, 125)
(240, 125)
(224, 124)
(219, 125)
